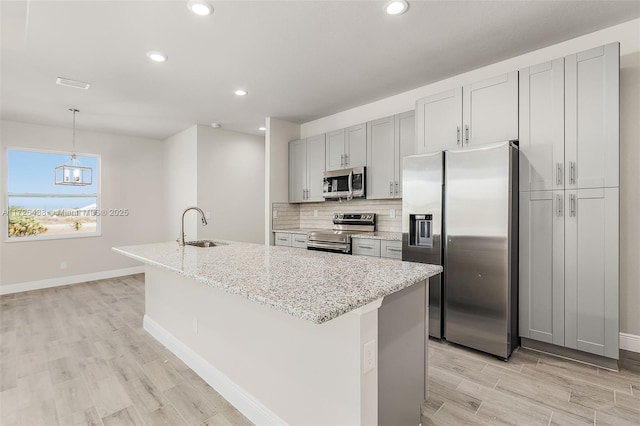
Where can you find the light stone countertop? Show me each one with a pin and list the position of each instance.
(391, 236)
(315, 286)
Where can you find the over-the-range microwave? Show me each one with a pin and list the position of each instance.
(345, 183)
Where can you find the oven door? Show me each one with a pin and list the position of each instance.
(334, 247)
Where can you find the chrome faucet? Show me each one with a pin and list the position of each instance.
(204, 222)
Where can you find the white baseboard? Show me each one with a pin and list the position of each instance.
(253, 409)
(72, 279)
(630, 342)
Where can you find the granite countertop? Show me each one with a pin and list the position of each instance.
(391, 236)
(315, 286)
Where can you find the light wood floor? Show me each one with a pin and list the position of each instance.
(77, 355)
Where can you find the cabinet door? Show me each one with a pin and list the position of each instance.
(315, 167)
(356, 145)
(591, 256)
(592, 136)
(380, 158)
(490, 110)
(335, 150)
(283, 239)
(439, 122)
(542, 266)
(405, 144)
(297, 170)
(542, 126)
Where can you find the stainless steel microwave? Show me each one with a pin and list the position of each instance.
(346, 183)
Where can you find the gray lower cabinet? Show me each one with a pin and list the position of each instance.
(591, 270)
(365, 247)
(287, 239)
(283, 239)
(541, 269)
(391, 249)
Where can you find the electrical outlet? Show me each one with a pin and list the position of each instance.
(369, 356)
(275, 214)
(195, 325)
(315, 213)
(392, 213)
(63, 264)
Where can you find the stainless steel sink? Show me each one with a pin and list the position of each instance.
(204, 243)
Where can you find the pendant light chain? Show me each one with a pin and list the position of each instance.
(74, 129)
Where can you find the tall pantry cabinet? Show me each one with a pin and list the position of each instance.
(569, 203)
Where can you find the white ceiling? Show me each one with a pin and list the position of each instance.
(299, 60)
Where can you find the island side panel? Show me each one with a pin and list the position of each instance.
(273, 367)
(402, 330)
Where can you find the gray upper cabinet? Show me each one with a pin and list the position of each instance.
(388, 140)
(591, 270)
(381, 178)
(297, 170)
(477, 114)
(347, 147)
(439, 122)
(306, 166)
(592, 117)
(541, 266)
(490, 110)
(542, 126)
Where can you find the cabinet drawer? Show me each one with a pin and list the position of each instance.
(391, 249)
(365, 247)
(283, 239)
(299, 240)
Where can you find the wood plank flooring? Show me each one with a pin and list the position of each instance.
(77, 355)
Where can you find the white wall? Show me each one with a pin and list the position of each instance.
(180, 182)
(630, 193)
(131, 177)
(278, 135)
(231, 184)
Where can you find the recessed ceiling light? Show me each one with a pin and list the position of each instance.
(241, 92)
(215, 125)
(200, 7)
(72, 83)
(262, 129)
(156, 56)
(396, 7)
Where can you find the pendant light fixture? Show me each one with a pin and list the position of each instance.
(73, 173)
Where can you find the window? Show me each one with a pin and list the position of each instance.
(39, 209)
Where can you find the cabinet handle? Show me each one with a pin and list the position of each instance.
(559, 208)
(346, 160)
(466, 134)
(365, 247)
(572, 173)
(391, 189)
(397, 187)
(458, 136)
(572, 201)
(558, 174)
(393, 249)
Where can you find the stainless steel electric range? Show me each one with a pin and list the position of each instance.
(338, 239)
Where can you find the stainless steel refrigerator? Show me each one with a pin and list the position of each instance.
(460, 210)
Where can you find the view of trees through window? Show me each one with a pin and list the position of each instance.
(38, 207)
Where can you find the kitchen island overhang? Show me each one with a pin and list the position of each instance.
(332, 339)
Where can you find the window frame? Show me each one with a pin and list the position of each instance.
(5, 196)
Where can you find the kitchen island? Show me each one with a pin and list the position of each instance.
(292, 336)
